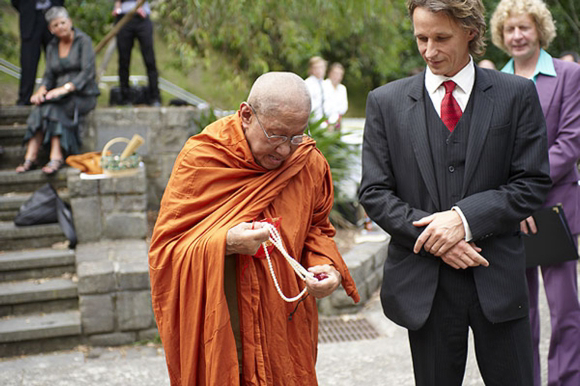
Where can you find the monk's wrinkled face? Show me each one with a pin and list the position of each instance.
(270, 153)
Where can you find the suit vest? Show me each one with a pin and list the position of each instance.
(448, 152)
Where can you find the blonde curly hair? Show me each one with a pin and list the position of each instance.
(537, 9)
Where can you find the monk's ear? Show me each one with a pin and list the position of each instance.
(245, 112)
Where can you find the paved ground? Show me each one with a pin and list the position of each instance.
(382, 361)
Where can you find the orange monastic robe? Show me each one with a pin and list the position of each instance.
(215, 185)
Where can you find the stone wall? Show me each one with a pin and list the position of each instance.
(165, 130)
(114, 292)
(112, 208)
(111, 258)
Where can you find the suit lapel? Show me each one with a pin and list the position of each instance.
(546, 86)
(420, 140)
(479, 125)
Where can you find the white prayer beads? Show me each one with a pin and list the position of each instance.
(299, 269)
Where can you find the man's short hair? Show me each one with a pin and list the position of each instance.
(470, 14)
(315, 60)
(537, 9)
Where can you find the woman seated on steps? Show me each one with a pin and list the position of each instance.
(68, 90)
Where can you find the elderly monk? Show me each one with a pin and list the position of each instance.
(220, 316)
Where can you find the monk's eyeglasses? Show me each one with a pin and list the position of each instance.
(280, 139)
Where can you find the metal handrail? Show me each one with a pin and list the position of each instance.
(165, 85)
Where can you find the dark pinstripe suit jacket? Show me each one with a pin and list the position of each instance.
(506, 179)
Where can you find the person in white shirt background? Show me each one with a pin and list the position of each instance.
(314, 82)
(336, 99)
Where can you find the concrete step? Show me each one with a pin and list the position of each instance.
(29, 264)
(39, 326)
(35, 258)
(14, 156)
(13, 151)
(11, 135)
(10, 115)
(43, 295)
(10, 203)
(10, 181)
(34, 291)
(13, 237)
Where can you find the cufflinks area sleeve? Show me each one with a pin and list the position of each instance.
(468, 235)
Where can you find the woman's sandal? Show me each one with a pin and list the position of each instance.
(53, 166)
(26, 166)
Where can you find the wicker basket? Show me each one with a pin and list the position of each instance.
(120, 165)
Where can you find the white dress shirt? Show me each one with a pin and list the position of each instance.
(315, 87)
(464, 79)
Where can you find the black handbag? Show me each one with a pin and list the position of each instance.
(554, 242)
(46, 207)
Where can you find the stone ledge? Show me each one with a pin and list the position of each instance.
(108, 266)
(114, 288)
(365, 263)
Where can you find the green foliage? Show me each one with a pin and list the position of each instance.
(372, 39)
(92, 17)
(206, 117)
(566, 14)
(339, 154)
(7, 38)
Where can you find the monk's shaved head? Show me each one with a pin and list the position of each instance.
(276, 91)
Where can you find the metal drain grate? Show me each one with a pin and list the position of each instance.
(340, 329)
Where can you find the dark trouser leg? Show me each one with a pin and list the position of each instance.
(145, 35)
(533, 291)
(29, 56)
(439, 348)
(125, 39)
(503, 350)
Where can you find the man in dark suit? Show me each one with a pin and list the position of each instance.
(449, 170)
(34, 34)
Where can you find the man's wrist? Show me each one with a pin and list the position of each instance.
(68, 86)
(466, 228)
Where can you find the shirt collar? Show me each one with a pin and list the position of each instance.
(544, 66)
(464, 79)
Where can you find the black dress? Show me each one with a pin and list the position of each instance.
(59, 116)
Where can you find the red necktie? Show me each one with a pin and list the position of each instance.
(450, 110)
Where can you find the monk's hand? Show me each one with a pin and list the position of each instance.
(246, 238)
(443, 230)
(326, 280)
(464, 255)
(529, 226)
